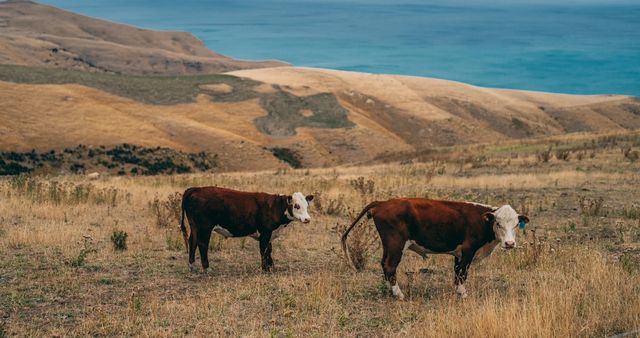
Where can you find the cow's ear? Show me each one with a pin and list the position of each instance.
(309, 198)
(489, 217)
(523, 219)
(289, 199)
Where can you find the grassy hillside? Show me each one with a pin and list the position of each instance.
(325, 117)
(40, 35)
(576, 273)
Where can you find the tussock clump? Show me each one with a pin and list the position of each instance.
(564, 155)
(630, 155)
(544, 156)
(363, 186)
(363, 241)
(591, 207)
(174, 240)
(119, 240)
(331, 206)
(41, 190)
(168, 211)
(80, 259)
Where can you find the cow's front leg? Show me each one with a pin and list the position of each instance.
(461, 268)
(265, 251)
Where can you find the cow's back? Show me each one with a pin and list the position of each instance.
(223, 206)
(436, 225)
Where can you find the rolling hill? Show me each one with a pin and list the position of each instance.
(256, 115)
(38, 35)
(322, 117)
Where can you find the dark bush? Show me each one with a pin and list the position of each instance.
(119, 240)
(287, 155)
(13, 168)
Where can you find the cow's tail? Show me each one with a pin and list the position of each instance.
(182, 227)
(345, 248)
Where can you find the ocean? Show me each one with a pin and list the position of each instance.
(588, 48)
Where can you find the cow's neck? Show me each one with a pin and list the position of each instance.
(489, 234)
(285, 211)
(489, 241)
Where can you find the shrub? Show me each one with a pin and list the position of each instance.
(119, 240)
(287, 155)
(591, 207)
(363, 187)
(363, 241)
(13, 168)
(80, 260)
(631, 155)
(173, 239)
(544, 156)
(563, 155)
(632, 212)
(330, 206)
(166, 211)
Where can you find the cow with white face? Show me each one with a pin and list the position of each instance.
(468, 231)
(298, 207)
(233, 213)
(505, 221)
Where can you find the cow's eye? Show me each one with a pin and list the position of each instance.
(297, 206)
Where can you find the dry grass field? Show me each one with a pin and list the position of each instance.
(576, 272)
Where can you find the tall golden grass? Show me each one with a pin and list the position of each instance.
(60, 275)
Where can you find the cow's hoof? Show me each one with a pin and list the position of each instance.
(461, 291)
(192, 268)
(397, 292)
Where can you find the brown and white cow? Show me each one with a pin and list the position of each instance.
(234, 213)
(467, 231)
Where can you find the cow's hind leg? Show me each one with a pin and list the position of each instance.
(393, 246)
(203, 245)
(192, 249)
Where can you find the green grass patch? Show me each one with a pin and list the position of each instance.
(150, 89)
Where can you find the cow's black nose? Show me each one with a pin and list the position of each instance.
(306, 220)
(509, 245)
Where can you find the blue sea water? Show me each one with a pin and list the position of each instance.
(581, 48)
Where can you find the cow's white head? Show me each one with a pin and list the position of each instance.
(298, 207)
(505, 221)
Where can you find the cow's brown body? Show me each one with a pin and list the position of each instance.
(239, 213)
(425, 226)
